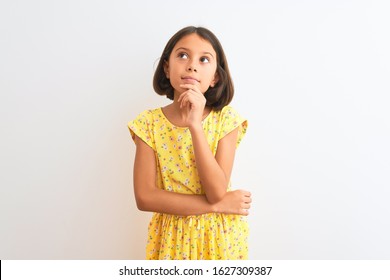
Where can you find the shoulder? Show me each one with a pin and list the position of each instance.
(144, 126)
(229, 110)
(150, 113)
(146, 116)
(228, 113)
(230, 119)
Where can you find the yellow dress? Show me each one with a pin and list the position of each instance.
(212, 236)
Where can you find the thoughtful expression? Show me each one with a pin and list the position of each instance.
(193, 61)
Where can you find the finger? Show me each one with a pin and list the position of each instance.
(245, 205)
(183, 102)
(191, 86)
(248, 194)
(244, 212)
(183, 95)
(189, 98)
(195, 97)
(187, 92)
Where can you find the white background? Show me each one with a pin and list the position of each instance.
(312, 77)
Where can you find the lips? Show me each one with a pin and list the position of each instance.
(190, 79)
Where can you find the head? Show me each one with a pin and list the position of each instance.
(211, 65)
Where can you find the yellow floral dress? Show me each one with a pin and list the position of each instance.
(212, 236)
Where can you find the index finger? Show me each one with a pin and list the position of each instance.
(190, 86)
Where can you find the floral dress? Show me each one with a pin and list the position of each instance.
(212, 236)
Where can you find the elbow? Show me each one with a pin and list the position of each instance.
(141, 205)
(216, 190)
(215, 197)
(142, 202)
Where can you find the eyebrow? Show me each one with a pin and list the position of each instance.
(188, 50)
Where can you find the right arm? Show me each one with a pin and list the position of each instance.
(150, 198)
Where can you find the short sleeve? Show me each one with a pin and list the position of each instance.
(142, 126)
(230, 120)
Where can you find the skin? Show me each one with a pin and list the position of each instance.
(191, 69)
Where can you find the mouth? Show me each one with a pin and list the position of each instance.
(190, 80)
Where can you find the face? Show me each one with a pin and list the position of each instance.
(192, 61)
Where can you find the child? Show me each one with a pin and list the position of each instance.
(185, 152)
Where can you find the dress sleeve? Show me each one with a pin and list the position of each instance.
(142, 126)
(230, 120)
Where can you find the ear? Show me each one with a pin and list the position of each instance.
(166, 69)
(215, 80)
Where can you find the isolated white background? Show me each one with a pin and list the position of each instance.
(312, 77)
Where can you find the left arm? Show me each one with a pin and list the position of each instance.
(214, 172)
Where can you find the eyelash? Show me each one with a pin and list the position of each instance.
(208, 60)
(180, 55)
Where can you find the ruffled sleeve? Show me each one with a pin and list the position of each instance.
(230, 120)
(142, 126)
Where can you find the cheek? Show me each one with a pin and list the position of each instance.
(212, 75)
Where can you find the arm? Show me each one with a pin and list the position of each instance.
(151, 198)
(214, 172)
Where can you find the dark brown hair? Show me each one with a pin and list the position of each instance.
(218, 96)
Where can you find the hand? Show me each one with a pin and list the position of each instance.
(192, 102)
(235, 202)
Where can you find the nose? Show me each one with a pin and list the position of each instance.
(191, 67)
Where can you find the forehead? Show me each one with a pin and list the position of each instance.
(193, 42)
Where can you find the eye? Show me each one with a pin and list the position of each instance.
(204, 59)
(182, 55)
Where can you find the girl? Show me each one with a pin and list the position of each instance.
(185, 152)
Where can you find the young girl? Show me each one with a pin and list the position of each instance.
(185, 154)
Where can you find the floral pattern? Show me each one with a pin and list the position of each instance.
(210, 236)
